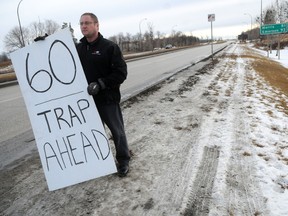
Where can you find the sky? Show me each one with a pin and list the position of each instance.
(130, 16)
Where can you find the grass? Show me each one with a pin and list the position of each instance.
(273, 72)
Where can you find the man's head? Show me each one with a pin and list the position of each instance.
(89, 26)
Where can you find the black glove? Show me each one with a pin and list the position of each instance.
(93, 88)
(40, 37)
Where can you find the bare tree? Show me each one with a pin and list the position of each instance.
(121, 39)
(37, 28)
(276, 13)
(283, 12)
(114, 39)
(150, 36)
(13, 40)
(270, 16)
(128, 40)
(51, 26)
(3, 57)
(158, 39)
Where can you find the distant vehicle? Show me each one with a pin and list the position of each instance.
(168, 46)
(157, 48)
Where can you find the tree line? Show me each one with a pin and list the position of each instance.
(277, 12)
(128, 43)
(152, 40)
(13, 40)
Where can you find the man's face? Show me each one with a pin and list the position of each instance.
(88, 26)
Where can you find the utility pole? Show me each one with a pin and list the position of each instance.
(261, 16)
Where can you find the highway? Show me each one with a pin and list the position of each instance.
(146, 72)
(142, 73)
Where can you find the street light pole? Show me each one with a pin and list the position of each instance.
(251, 24)
(22, 38)
(140, 33)
(172, 31)
(173, 35)
(251, 19)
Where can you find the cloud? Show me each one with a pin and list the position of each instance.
(125, 15)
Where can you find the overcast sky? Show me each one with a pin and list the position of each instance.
(115, 16)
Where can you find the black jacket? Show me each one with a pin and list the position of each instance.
(103, 62)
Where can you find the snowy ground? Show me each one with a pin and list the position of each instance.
(269, 133)
(211, 140)
(283, 59)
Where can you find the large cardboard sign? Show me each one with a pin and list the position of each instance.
(69, 134)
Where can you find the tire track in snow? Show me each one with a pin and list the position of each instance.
(241, 184)
(234, 192)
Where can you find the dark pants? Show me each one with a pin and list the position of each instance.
(111, 115)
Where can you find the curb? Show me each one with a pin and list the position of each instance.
(8, 83)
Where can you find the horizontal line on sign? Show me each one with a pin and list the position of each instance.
(58, 98)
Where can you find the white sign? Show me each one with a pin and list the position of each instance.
(211, 17)
(69, 134)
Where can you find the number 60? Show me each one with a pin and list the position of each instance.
(40, 73)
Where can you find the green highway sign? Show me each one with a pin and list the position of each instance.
(274, 29)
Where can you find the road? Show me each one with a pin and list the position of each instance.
(143, 73)
(146, 72)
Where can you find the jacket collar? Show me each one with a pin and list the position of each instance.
(84, 39)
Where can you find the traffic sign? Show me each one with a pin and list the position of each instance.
(274, 29)
(211, 17)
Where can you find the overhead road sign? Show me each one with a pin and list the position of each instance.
(274, 29)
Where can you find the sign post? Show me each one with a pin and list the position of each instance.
(69, 134)
(211, 18)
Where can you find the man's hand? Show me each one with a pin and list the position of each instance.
(93, 88)
(40, 37)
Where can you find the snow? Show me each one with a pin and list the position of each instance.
(273, 56)
(270, 132)
(261, 136)
(6, 69)
(227, 107)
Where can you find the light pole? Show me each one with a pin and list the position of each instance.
(140, 33)
(173, 35)
(251, 24)
(261, 19)
(246, 26)
(22, 42)
(172, 30)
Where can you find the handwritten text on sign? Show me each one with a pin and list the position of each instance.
(70, 137)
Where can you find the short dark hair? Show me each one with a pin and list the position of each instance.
(93, 16)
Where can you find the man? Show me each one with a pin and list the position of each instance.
(105, 70)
